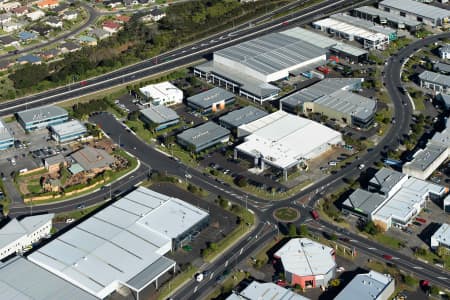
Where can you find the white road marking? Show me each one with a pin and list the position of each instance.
(372, 248)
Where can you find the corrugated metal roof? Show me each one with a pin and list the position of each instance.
(210, 97)
(363, 24)
(266, 291)
(5, 134)
(434, 77)
(366, 286)
(41, 113)
(415, 7)
(242, 116)
(364, 201)
(387, 15)
(159, 114)
(70, 127)
(203, 134)
(423, 158)
(350, 29)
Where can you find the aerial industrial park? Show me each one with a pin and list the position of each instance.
(238, 150)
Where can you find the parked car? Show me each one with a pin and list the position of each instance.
(387, 256)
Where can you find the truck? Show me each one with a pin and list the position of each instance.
(324, 70)
(315, 215)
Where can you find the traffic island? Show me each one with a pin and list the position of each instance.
(286, 214)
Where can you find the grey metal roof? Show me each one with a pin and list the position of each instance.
(445, 48)
(349, 49)
(441, 67)
(415, 7)
(41, 113)
(425, 157)
(385, 179)
(367, 286)
(160, 266)
(362, 23)
(349, 103)
(21, 279)
(70, 127)
(203, 134)
(271, 53)
(5, 134)
(55, 159)
(250, 84)
(242, 116)
(265, 291)
(387, 15)
(364, 201)
(310, 37)
(435, 78)
(210, 97)
(90, 158)
(322, 88)
(159, 114)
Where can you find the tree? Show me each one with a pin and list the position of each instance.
(334, 282)
(434, 290)
(292, 230)
(241, 181)
(371, 228)
(409, 280)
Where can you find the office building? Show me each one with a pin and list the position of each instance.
(386, 18)
(68, 131)
(414, 10)
(285, 141)
(204, 136)
(163, 93)
(41, 117)
(307, 263)
(426, 161)
(6, 138)
(265, 291)
(444, 51)
(373, 285)
(439, 83)
(123, 245)
(242, 116)
(159, 116)
(211, 101)
(441, 238)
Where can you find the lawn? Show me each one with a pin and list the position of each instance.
(175, 282)
(286, 214)
(432, 258)
(139, 128)
(389, 241)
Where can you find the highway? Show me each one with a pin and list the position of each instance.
(264, 230)
(172, 59)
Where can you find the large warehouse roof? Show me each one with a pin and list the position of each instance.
(285, 139)
(203, 134)
(364, 201)
(362, 23)
(207, 98)
(4, 132)
(41, 113)
(423, 158)
(366, 286)
(350, 29)
(304, 257)
(271, 53)
(265, 291)
(311, 37)
(120, 243)
(242, 116)
(417, 8)
(387, 15)
(435, 78)
(68, 127)
(159, 114)
(21, 279)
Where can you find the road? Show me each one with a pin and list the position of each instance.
(172, 59)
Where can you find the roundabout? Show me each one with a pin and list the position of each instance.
(286, 214)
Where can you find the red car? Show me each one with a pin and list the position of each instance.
(315, 215)
(421, 220)
(387, 256)
(83, 83)
(282, 283)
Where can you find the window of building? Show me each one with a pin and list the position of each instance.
(402, 14)
(420, 19)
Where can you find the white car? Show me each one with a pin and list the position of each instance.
(70, 220)
(199, 277)
(361, 166)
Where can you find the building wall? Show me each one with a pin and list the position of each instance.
(435, 87)
(409, 15)
(388, 291)
(26, 240)
(312, 107)
(409, 169)
(301, 280)
(200, 147)
(6, 143)
(43, 123)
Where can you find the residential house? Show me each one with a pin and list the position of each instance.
(130, 2)
(444, 51)
(12, 26)
(35, 15)
(53, 163)
(111, 26)
(8, 41)
(154, 15)
(8, 6)
(100, 34)
(42, 30)
(20, 11)
(69, 47)
(29, 59)
(87, 40)
(26, 36)
(49, 54)
(113, 3)
(5, 18)
(70, 15)
(93, 159)
(54, 22)
(60, 9)
(46, 4)
(123, 18)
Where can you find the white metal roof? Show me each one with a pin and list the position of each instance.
(4, 132)
(118, 243)
(265, 291)
(160, 90)
(366, 286)
(285, 139)
(350, 29)
(70, 127)
(415, 7)
(304, 257)
(442, 235)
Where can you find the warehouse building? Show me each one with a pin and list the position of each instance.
(444, 51)
(123, 245)
(369, 39)
(163, 93)
(204, 136)
(159, 116)
(264, 291)
(41, 117)
(307, 263)
(334, 98)
(368, 25)
(242, 116)
(441, 238)
(426, 161)
(372, 285)
(21, 279)
(247, 68)
(437, 82)
(6, 138)
(16, 236)
(68, 131)
(333, 46)
(393, 199)
(285, 141)
(386, 18)
(414, 10)
(211, 101)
